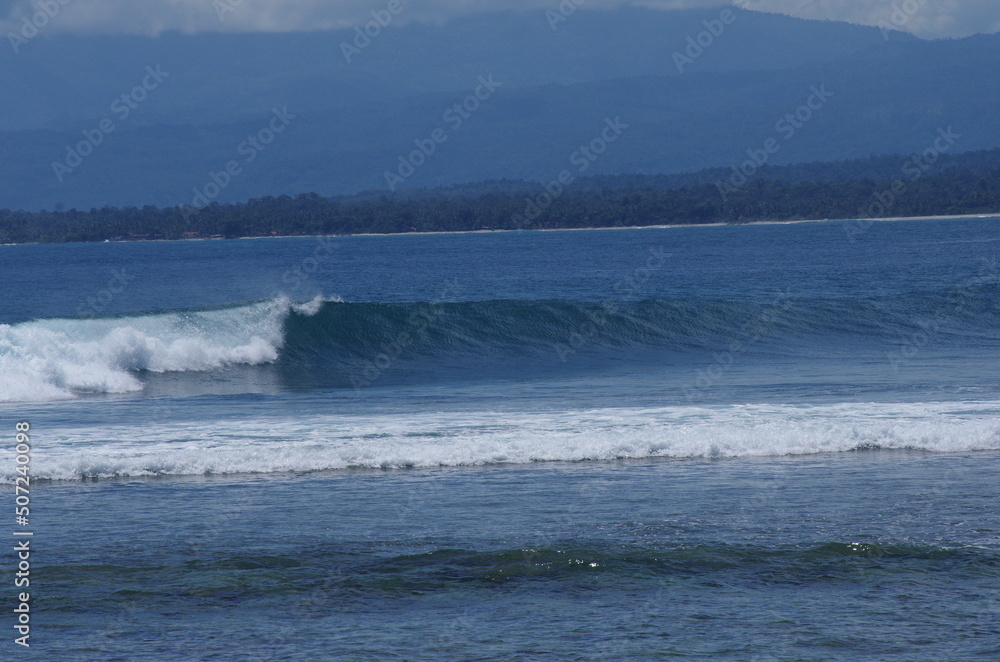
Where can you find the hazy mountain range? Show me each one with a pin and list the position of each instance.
(240, 116)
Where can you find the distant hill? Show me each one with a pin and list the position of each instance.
(872, 172)
(352, 123)
(62, 82)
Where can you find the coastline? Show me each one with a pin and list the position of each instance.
(938, 217)
(941, 217)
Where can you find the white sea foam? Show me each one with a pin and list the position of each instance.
(58, 359)
(322, 442)
(312, 306)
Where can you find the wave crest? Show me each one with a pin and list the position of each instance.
(59, 359)
(338, 342)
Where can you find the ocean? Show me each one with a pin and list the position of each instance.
(767, 442)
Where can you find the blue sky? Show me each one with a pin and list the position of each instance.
(925, 18)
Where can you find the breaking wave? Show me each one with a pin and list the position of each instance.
(55, 359)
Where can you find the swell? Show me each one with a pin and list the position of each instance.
(347, 575)
(345, 332)
(350, 342)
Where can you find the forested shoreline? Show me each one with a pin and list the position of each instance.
(962, 184)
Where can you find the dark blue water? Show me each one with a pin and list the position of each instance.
(746, 443)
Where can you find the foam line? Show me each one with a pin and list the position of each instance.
(337, 441)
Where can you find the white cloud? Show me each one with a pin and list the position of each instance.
(931, 19)
(926, 18)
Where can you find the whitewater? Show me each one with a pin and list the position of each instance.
(336, 441)
(65, 358)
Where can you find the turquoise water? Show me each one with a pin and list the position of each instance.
(745, 443)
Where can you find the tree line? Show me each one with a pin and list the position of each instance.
(640, 200)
